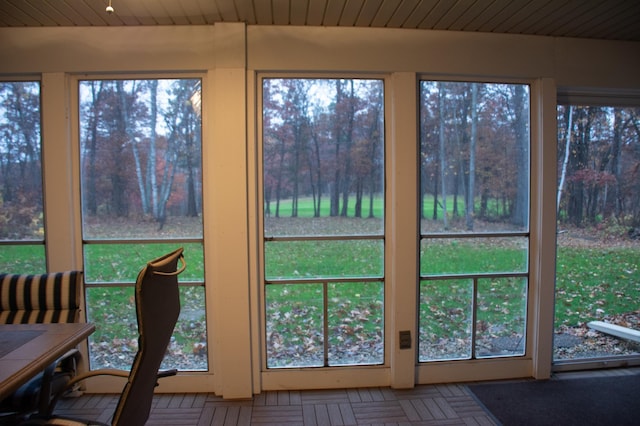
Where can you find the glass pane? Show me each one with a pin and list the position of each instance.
(22, 259)
(141, 158)
(141, 179)
(115, 341)
(120, 263)
(323, 175)
(323, 156)
(356, 323)
(501, 317)
(446, 315)
(442, 256)
(323, 259)
(20, 162)
(598, 234)
(474, 145)
(294, 325)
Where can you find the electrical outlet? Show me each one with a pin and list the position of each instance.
(405, 339)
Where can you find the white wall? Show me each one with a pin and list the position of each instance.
(571, 62)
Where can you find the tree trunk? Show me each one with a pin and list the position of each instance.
(469, 205)
(565, 161)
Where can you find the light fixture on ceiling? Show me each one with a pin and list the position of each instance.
(109, 8)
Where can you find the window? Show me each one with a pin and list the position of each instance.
(598, 235)
(323, 189)
(140, 145)
(21, 213)
(474, 216)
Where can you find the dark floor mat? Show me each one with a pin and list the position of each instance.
(598, 401)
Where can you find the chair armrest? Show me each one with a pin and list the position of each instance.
(167, 373)
(79, 378)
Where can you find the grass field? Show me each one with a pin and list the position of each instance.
(591, 282)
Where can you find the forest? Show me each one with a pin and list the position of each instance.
(599, 166)
(323, 140)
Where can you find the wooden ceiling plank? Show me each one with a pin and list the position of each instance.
(569, 22)
(228, 11)
(584, 21)
(468, 15)
(88, 14)
(600, 25)
(368, 13)
(262, 10)
(436, 13)
(385, 12)
(504, 15)
(449, 18)
(72, 14)
(315, 13)
(54, 13)
(97, 11)
(281, 12)
(627, 26)
(402, 13)
(524, 13)
(20, 14)
(243, 8)
(480, 21)
(9, 20)
(534, 16)
(122, 9)
(420, 13)
(351, 13)
(553, 24)
(174, 11)
(137, 10)
(333, 12)
(192, 12)
(299, 12)
(157, 12)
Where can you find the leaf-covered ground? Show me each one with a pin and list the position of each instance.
(298, 338)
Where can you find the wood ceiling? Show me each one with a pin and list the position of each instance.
(597, 19)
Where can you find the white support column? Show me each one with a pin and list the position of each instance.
(402, 225)
(225, 198)
(61, 184)
(544, 131)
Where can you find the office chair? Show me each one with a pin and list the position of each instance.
(157, 308)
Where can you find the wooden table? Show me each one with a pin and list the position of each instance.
(29, 348)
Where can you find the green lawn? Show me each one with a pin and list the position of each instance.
(590, 283)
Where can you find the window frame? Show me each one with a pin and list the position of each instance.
(264, 239)
(76, 81)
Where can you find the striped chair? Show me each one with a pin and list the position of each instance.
(45, 298)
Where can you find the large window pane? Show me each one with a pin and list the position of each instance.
(481, 255)
(21, 213)
(323, 193)
(474, 144)
(501, 317)
(598, 242)
(323, 259)
(141, 178)
(120, 263)
(474, 219)
(115, 341)
(356, 326)
(295, 331)
(445, 319)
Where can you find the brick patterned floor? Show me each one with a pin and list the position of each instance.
(423, 405)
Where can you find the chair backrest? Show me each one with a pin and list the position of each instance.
(157, 307)
(45, 298)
